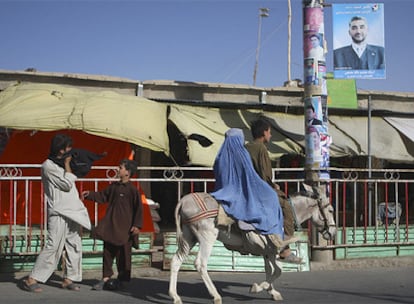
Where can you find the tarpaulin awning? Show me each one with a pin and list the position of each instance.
(140, 121)
(404, 125)
(212, 123)
(48, 107)
(349, 134)
(386, 141)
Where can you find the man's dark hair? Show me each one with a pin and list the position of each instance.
(356, 18)
(310, 107)
(59, 142)
(258, 127)
(130, 166)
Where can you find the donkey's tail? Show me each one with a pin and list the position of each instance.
(177, 215)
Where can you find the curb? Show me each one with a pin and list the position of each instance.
(356, 263)
(361, 263)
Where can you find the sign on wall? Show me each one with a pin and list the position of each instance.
(342, 93)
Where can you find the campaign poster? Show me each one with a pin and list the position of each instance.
(310, 71)
(313, 44)
(316, 131)
(358, 41)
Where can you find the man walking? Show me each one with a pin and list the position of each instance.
(66, 214)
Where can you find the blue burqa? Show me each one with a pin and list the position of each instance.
(242, 193)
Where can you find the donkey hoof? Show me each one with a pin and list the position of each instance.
(255, 288)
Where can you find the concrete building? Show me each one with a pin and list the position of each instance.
(200, 113)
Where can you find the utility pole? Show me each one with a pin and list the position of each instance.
(263, 13)
(317, 139)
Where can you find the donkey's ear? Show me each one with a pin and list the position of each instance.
(316, 190)
(307, 188)
(311, 191)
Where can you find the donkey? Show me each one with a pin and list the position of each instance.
(196, 220)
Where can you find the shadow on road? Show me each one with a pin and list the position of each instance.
(156, 291)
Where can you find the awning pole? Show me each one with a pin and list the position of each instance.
(369, 163)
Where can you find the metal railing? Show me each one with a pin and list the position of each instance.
(368, 211)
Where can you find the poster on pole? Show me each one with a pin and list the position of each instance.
(316, 132)
(314, 47)
(358, 40)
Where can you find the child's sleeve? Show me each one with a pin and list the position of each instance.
(100, 196)
(137, 221)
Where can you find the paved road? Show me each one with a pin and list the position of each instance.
(367, 286)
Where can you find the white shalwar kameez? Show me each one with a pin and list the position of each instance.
(66, 213)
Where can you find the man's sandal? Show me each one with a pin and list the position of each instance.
(71, 287)
(34, 287)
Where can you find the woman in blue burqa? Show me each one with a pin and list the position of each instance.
(240, 190)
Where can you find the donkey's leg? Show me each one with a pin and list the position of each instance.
(259, 287)
(272, 273)
(185, 243)
(207, 235)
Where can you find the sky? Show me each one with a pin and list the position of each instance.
(183, 40)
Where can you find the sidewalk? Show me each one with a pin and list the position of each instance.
(368, 263)
(157, 271)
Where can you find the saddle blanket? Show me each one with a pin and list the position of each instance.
(204, 206)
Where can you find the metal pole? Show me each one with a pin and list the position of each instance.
(369, 163)
(263, 12)
(289, 39)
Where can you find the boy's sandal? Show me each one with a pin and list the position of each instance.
(99, 286)
(35, 287)
(291, 258)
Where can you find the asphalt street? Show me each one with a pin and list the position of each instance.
(356, 285)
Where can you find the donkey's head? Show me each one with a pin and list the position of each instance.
(323, 214)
